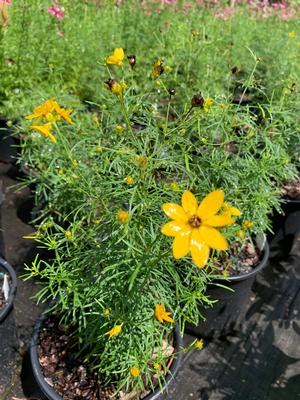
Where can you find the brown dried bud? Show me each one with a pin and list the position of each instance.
(110, 83)
(197, 100)
(172, 91)
(235, 70)
(132, 60)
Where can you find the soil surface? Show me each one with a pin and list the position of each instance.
(291, 190)
(70, 378)
(239, 260)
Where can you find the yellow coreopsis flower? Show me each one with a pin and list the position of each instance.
(157, 69)
(129, 180)
(161, 314)
(122, 216)
(229, 210)
(207, 104)
(115, 87)
(116, 58)
(292, 35)
(135, 372)
(199, 344)
(115, 331)
(193, 226)
(45, 130)
(247, 224)
(44, 111)
(65, 114)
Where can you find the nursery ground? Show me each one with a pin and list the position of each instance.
(259, 361)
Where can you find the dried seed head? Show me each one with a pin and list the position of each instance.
(172, 91)
(197, 100)
(132, 60)
(110, 83)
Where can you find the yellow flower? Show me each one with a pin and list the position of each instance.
(106, 312)
(68, 234)
(241, 234)
(115, 87)
(43, 111)
(193, 226)
(65, 114)
(207, 104)
(135, 372)
(116, 58)
(156, 366)
(182, 131)
(247, 224)
(292, 35)
(157, 69)
(161, 314)
(99, 149)
(199, 344)
(96, 120)
(174, 186)
(45, 130)
(142, 161)
(129, 180)
(74, 163)
(115, 331)
(122, 216)
(168, 68)
(229, 210)
(119, 128)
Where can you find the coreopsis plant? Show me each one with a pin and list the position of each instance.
(109, 182)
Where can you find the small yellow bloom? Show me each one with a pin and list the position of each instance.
(9, 123)
(65, 114)
(292, 35)
(115, 87)
(43, 111)
(199, 344)
(168, 68)
(122, 216)
(229, 210)
(203, 140)
(96, 120)
(194, 226)
(116, 58)
(247, 224)
(60, 171)
(74, 163)
(129, 180)
(195, 33)
(157, 69)
(99, 149)
(115, 331)
(207, 104)
(175, 187)
(142, 161)
(183, 131)
(161, 314)
(68, 234)
(45, 130)
(135, 372)
(241, 234)
(119, 128)
(106, 312)
(156, 366)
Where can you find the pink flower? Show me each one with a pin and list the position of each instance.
(279, 5)
(56, 11)
(7, 2)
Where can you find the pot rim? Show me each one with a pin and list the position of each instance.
(259, 267)
(52, 394)
(12, 293)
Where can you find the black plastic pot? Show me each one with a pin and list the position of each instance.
(50, 394)
(230, 309)
(279, 219)
(13, 289)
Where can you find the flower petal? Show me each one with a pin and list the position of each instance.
(173, 228)
(213, 238)
(219, 220)
(211, 204)
(200, 251)
(181, 245)
(176, 212)
(189, 202)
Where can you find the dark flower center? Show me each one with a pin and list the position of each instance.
(195, 221)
